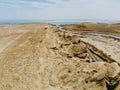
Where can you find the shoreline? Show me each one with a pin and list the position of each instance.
(88, 33)
(90, 40)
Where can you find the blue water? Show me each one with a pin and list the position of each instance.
(81, 21)
(58, 22)
(14, 22)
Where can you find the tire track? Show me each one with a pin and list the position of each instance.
(9, 43)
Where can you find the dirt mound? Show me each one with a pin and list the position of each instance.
(44, 58)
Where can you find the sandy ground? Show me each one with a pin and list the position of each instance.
(110, 46)
(39, 57)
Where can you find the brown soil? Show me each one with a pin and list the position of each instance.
(113, 29)
(39, 57)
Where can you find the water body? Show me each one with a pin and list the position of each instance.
(56, 22)
(104, 35)
(95, 34)
(62, 23)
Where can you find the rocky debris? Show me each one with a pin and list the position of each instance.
(74, 75)
(47, 59)
(72, 48)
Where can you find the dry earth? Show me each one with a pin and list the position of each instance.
(103, 28)
(109, 46)
(39, 57)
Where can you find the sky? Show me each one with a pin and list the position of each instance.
(59, 9)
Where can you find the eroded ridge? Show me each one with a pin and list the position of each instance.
(47, 59)
(72, 47)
